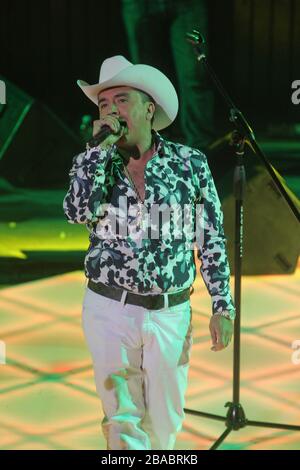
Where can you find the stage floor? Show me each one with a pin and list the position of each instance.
(48, 397)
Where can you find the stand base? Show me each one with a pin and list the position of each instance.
(236, 419)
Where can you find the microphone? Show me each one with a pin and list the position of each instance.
(104, 132)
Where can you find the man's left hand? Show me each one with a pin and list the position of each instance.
(221, 330)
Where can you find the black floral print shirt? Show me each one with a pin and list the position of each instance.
(155, 257)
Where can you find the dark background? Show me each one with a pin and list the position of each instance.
(46, 46)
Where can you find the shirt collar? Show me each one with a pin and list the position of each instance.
(160, 143)
(160, 147)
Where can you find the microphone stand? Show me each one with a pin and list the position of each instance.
(236, 417)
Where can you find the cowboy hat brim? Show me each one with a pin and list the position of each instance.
(145, 78)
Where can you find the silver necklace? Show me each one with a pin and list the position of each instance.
(140, 201)
(133, 184)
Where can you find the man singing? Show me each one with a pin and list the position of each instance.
(137, 316)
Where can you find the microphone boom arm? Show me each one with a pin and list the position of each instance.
(237, 118)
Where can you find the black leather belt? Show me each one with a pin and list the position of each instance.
(151, 302)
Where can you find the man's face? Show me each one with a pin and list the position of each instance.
(127, 105)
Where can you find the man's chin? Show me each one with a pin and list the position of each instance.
(127, 149)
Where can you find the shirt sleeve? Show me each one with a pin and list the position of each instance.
(211, 241)
(87, 190)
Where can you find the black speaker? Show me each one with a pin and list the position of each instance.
(36, 147)
(271, 231)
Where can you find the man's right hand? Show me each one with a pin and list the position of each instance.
(114, 124)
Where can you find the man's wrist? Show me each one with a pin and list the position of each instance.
(230, 315)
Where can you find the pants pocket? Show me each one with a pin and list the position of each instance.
(187, 344)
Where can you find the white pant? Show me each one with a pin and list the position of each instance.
(140, 359)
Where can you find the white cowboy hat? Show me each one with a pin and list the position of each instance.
(118, 71)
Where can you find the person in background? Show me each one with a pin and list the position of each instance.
(156, 35)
